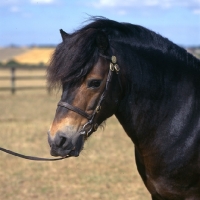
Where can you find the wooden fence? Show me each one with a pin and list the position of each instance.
(13, 78)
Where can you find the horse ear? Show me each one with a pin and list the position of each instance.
(64, 34)
(102, 42)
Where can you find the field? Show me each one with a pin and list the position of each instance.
(105, 169)
(26, 55)
(35, 56)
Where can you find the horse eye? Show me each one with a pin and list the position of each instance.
(94, 83)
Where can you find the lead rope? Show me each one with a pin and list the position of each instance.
(30, 157)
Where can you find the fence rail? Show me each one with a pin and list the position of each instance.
(23, 77)
(13, 78)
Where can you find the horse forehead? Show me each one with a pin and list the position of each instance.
(100, 68)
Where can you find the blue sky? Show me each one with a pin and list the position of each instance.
(33, 22)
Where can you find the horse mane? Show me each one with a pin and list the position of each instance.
(76, 56)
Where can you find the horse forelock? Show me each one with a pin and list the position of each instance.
(73, 58)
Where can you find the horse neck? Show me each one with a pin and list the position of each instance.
(155, 97)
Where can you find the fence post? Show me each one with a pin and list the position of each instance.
(13, 80)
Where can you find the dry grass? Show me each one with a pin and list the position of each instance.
(104, 170)
(35, 56)
(9, 52)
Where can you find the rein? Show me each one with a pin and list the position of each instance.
(94, 126)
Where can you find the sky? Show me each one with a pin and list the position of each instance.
(37, 22)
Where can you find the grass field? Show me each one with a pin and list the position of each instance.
(35, 56)
(8, 53)
(26, 55)
(105, 169)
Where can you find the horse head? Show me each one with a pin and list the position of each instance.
(90, 89)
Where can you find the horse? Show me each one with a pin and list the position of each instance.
(149, 83)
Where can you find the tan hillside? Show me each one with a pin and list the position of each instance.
(35, 56)
(9, 52)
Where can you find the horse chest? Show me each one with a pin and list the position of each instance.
(166, 182)
(164, 188)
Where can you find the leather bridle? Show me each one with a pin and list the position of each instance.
(90, 123)
(93, 126)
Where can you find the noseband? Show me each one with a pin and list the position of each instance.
(94, 126)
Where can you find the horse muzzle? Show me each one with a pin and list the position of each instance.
(64, 145)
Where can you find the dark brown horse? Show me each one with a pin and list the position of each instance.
(150, 84)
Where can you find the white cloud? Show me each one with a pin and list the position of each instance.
(196, 11)
(42, 1)
(22, 2)
(9, 2)
(112, 3)
(15, 9)
(122, 12)
(145, 3)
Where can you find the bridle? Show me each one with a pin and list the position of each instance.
(114, 67)
(93, 126)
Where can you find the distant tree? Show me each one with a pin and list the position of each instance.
(14, 46)
(12, 63)
(41, 64)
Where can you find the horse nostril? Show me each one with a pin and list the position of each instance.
(62, 141)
